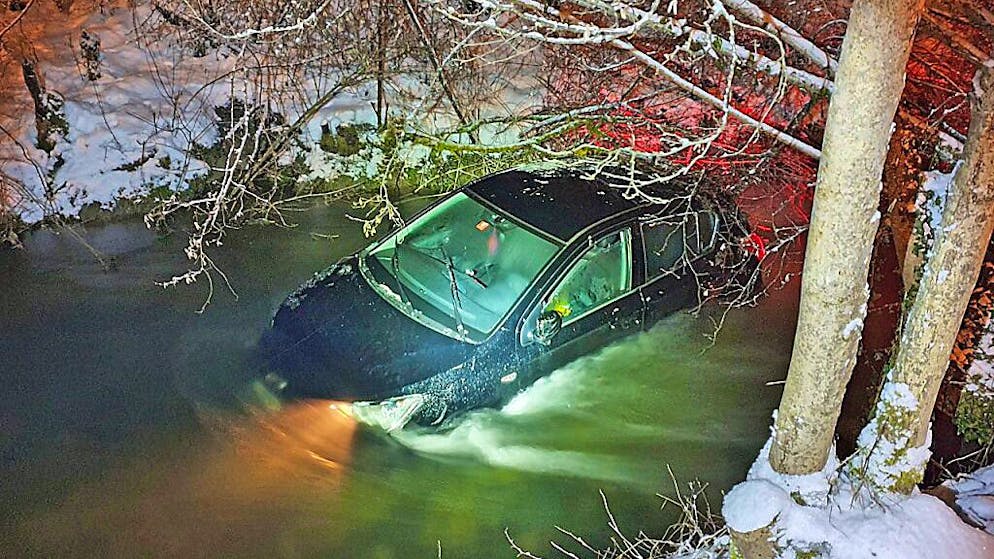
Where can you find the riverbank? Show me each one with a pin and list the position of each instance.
(121, 110)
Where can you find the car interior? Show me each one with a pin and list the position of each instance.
(490, 259)
(602, 273)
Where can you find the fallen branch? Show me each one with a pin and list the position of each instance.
(704, 41)
(538, 15)
(787, 34)
(677, 80)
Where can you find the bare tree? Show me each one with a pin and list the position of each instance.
(894, 447)
(869, 83)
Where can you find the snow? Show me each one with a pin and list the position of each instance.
(125, 135)
(811, 488)
(363, 165)
(883, 460)
(932, 199)
(131, 130)
(855, 325)
(975, 497)
(754, 504)
(950, 143)
(898, 395)
(846, 524)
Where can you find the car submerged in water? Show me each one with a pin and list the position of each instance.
(494, 286)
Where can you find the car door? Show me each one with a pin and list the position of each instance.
(671, 245)
(597, 297)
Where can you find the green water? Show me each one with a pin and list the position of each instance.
(130, 426)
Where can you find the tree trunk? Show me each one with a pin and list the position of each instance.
(935, 316)
(869, 83)
(33, 81)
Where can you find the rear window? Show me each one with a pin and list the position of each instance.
(669, 240)
(664, 244)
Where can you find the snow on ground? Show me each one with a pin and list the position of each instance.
(975, 497)
(130, 130)
(848, 523)
(125, 135)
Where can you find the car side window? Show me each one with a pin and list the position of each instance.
(667, 241)
(664, 246)
(701, 231)
(603, 273)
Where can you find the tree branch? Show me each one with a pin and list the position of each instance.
(433, 57)
(723, 46)
(703, 95)
(957, 42)
(540, 15)
(16, 19)
(787, 34)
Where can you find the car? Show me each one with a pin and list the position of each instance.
(499, 283)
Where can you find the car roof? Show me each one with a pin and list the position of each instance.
(559, 202)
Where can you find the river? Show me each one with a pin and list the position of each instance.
(131, 425)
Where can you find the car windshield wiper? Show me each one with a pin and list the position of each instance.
(450, 274)
(454, 292)
(447, 262)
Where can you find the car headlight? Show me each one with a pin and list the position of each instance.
(390, 414)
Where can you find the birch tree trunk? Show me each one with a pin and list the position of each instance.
(869, 83)
(894, 446)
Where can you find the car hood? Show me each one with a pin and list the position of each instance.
(335, 337)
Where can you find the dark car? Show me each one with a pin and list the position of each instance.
(497, 284)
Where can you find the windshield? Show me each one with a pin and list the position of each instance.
(461, 264)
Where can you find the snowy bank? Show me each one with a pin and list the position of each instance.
(848, 521)
(974, 494)
(135, 125)
(141, 110)
(129, 131)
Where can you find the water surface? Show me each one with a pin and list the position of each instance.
(131, 426)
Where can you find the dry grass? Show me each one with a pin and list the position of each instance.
(699, 533)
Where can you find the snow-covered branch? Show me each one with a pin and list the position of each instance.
(308, 20)
(700, 93)
(704, 41)
(543, 22)
(787, 34)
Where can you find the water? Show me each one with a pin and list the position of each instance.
(131, 426)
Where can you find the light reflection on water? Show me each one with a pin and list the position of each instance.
(139, 431)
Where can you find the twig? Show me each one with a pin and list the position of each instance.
(433, 57)
(16, 19)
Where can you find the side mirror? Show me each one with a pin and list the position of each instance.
(549, 324)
